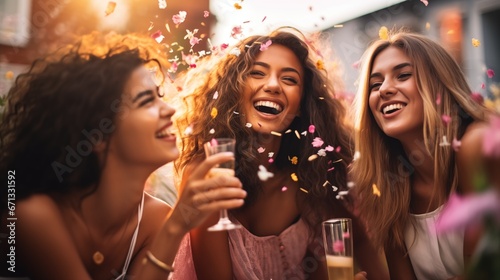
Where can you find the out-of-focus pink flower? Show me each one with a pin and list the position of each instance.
(491, 138)
(476, 96)
(461, 211)
(490, 73)
(236, 31)
(194, 41)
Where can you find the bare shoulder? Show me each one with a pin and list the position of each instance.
(155, 213)
(38, 208)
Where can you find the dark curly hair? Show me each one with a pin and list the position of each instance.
(318, 107)
(62, 106)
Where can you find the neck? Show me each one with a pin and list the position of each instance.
(420, 159)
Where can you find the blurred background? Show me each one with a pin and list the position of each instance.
(28, 28)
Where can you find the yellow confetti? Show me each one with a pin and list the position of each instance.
(9, 75)
(312, 157)
(475, 42)
(427, 26)
(297, 134)
(325, 183)
(214, 113)
(237, 6)
(167, 27)
(383, 33)
(275, 133)
(110, 8)
(294, 177)
(304, 190)
(294, 160)
(320, 64)
(376, 191)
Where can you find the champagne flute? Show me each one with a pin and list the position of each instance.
(337, 238)
(220, 145)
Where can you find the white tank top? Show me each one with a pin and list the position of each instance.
(434, 256)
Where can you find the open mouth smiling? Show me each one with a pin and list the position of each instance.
(268, 107)
(389, 109)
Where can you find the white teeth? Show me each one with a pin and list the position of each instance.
(164, 132)
(269, 104)
(392, 107)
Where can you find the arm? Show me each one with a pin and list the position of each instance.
(44, 245)
(199, 199)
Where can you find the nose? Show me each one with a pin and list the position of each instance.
(166, 110)
(387, 88)
(272, 85)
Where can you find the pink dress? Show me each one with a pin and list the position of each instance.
(256, 257)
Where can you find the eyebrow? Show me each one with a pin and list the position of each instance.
(285, 69)
(397, 67)
(141, 94)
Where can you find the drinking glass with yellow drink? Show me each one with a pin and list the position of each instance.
(220, 145)
(337, 239)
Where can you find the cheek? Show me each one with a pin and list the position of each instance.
(372, 103)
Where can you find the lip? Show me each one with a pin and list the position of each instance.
(168, 137)
(267, 115)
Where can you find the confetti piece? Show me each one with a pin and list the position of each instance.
(294, 160)
(284, 188)
(320, 65)
(294, 177)
(438, 99)
(304, 133)
(261, 150)
(206, 14)
(151, 25)
(288, 131)
(213, 142)
(425, 2)
(265, 45)
(271, 160)
(213, 113)
(264, 19)
(338, 26)
(321, 152)
(110, 8)
(455, 144)
(341, 194)
(236, 31)
(270, 154)
(326, 183)
(304, 190)
(476, 96)
(212, 131)
(188, 131)
(248, 125)
(312, 128)
(157, 36)
(237, 6)
(376, 191)
(330, 169)
(444, 142)
(350, 184)
(312, 157)
(335, 188)
(297, 134)
(167, 27)
(490, 73)
(236, 113)
(446, 119)
(216, 95)
(162, 4)
(317, 142)
(475, 42)
(427, 26)
(329, 148)
(383, 33)
(276, 133)
(356, 155)
(9, 75)
(180, 17)
(338, 149)
(264, 174)
(356, 64)
(235, 51)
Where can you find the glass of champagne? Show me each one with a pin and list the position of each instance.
(220, 145)
(337, 239)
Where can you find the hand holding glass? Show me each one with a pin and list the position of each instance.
(220, 145)
(337, 239)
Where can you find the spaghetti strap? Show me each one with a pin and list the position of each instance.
(132, 242)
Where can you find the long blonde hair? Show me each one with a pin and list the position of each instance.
(382, 159)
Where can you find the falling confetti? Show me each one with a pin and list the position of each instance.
(304, 190)
(237, 6)
(276, 133)
(264, 174)
(179, 18)
(446, 119)
(248, 125)
(425, 2)
(438, 99)
(213, 113)
(265, 45)
(294, 160)
(162, 4)
(158, 36)
(312, 157)
(329, 148)
(284, 188)
(320, 65)
(216, 95)
(475, 42)
(317, 142)
(383, 33)
(455, 144)
(376, 191)
(206, 14)
(490, 73)
(261, 150)
(444, 142)
(297, 134)
(312, 128)
(188, 131)
(212, 131)
(110, 8)
(294, 177)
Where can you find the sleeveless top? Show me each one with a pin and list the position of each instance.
(434, 256)
(255, 257)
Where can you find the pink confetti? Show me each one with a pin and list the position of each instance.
(265, 45)
(338, 149)
(312, 128)
(346, 234)
(317, 142)
(237, 30)
(438, 99)
(446, 119)
(271, 160)
(490, 73)
(264, 18)
(483, 86)
(216, 95)
(213, 142)
(194, 41)
(338, 246)
(180, 17)
(261, 150)
(476, 96)
(284, 188)
(329, 148)
(455, 144)
(206, 14)
(425, 2)
(330, 169)
(356, 64)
